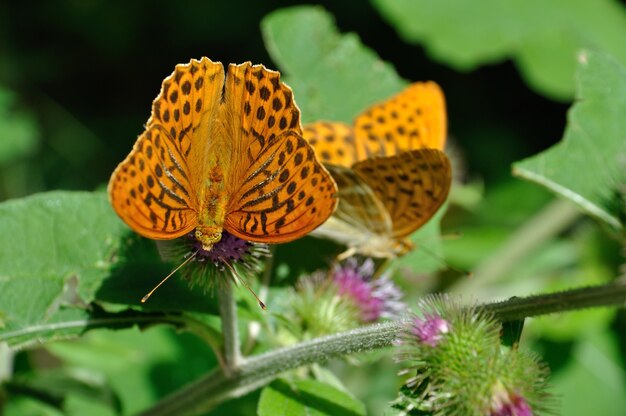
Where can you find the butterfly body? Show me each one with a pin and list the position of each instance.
(223, 151)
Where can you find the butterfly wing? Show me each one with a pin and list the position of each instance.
(333, 142)
(279, 190)
(413, 119)
(412, 186)
(153, 189)
(360, 216)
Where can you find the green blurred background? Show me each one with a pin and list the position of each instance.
(83, 75)
(76, 82)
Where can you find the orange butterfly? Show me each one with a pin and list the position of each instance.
(223, 152)
(390, 169)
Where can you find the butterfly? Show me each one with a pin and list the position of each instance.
(223, 151)
(390, 169)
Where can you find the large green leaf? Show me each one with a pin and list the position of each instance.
(307, 398)
(334, 77)
(589, 165)
(62, 251)
(55, 250)
(542, 37)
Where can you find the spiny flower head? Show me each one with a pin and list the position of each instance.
(228, 259)
(344, 297)
(457, 365)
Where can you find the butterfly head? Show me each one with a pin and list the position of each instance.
(208, 236)
(403, 246)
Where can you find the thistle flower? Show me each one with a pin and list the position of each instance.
(374, 298)
(457, 365)
(430, 329)
(228, 260)
(505, 403)
(345, 297)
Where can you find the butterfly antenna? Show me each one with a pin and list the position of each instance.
(445, 263)
(145, 298)
(237, 277)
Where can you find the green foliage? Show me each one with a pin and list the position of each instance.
(542, 38)
(588, 166)
(57, 248)
(334, 77)
(307, 397)
(18, 130)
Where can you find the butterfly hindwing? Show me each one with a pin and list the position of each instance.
(359, 216)
(286, 193)
(412, 186)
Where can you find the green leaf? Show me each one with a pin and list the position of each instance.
(589, 165)
(55, 250)
(19, 135)
(541, 37)
(307, 398)
(334, 77)
(596, 365)
(139, 366)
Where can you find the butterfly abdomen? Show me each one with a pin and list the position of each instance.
(212, 208)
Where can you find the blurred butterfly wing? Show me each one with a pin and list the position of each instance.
(413, 119)
(278, 189)
(412, 186)
(359, 217)
(333, 142)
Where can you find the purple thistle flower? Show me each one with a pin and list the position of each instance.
(510, 404)
(374, 298)
(430, 329)
(229, 249)
(208, 267)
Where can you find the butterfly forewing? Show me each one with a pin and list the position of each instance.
(150, 189)
(279, 190)
(413, 119)
(411, 185)
(333, 142)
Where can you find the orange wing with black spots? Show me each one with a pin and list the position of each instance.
(279, 189)
(333, 142)
(412, 186)
(283, 196)
(382, 200)
(223, 151)
(154, 189)
(413, 119)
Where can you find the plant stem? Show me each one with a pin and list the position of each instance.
(259, 370)
(230, 330)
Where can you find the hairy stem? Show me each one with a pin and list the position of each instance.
(256, 371)
(230, 331)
